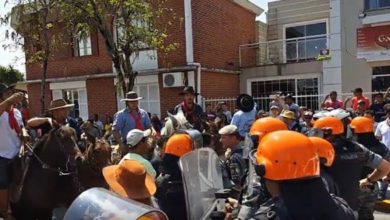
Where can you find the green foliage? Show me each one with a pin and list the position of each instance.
(127, 26)
(9, 75)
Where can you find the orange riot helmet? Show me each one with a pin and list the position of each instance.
(178, 145)
(324, 149)
(362, 125)
(286, 155)
(330, 122)
(266, 125)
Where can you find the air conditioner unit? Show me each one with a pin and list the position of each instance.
(173, 79)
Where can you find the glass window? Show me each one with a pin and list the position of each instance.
(83, 46)
(376, 4)
(151, 98)
(306, 91)
(381, 78)
(311, 40)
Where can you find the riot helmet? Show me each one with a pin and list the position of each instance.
(286, 155)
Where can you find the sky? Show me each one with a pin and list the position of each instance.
(15, 57)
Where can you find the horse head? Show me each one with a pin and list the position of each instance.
(174, 123)
(59, 149)
(98, 154)
(90, 131)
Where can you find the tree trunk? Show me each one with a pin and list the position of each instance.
(43, 85)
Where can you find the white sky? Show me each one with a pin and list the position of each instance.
(15, 57)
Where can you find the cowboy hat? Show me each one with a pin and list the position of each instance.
(288, 114)
(58, 104)
(188, 90)
(245, 102)
(130, 179)
(4, 87)
(131, 96)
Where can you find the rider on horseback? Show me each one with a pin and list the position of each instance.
(10, 130)
(58, 111)
(192, 111)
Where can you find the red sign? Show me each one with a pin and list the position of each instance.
(373, 43)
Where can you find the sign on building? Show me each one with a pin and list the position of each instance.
(373, 43)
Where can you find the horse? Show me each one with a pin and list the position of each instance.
(96, 156)
(49, 179)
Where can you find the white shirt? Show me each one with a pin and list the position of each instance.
(383, 131)
(9, 140)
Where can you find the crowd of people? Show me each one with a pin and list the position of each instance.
(337, 155)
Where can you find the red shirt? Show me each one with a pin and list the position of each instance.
(355, 101)
(335, 105)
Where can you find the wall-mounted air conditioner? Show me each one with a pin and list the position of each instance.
(173, 79)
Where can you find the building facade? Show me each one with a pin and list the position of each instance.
(207, 58)
(356, 34)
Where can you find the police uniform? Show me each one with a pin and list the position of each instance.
(235, 165)
(368, 196)
(346, 170)
(275, 209)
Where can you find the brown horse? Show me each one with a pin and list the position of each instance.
(51, 179)
(96, 156)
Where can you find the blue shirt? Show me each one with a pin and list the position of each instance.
(243, 121)
(124, 123)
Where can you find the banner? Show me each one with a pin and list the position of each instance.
(373, 43)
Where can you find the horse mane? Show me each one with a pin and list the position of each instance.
(175, 122)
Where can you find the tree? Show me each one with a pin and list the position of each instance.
(9, 75)
(33, 21)
(137, 24)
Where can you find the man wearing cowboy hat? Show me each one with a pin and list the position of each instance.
(10, 131)
(191, 110)
(288, 117)
(59, 111)
(129, 118)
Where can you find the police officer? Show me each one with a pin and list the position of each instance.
(235, 165)
(350, 159)
(254, 192)
(326, 154)
(291, 171)
(363, 132)
(170, 192)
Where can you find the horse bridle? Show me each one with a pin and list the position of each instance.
(46, 166)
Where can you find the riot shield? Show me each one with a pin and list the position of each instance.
(202, 178)
(100, 204)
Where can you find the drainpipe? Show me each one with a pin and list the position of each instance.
(198, 80)
(190, 46)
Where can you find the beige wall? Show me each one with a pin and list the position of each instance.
(355, 72)
(285, 12)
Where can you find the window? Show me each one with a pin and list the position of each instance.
(83, 46)
(306, 91)
(381, 78)
(150, 94)
(151, 101)
(304, 42)
(137, 30)
(376, 4)
(78, 97)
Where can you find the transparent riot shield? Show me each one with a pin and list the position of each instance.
(101, 204)
(202, 178)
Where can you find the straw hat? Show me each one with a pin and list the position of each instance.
(288, 114)
(59, 104)
(129, 179)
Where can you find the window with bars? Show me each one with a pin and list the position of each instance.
(306, 91)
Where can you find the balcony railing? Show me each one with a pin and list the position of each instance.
(301, 49)
(370, 5)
